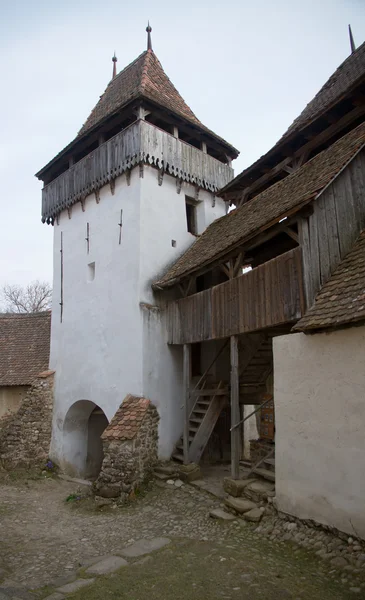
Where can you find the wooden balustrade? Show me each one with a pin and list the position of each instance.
(270, 295)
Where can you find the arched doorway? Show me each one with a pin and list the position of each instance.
(82, 445)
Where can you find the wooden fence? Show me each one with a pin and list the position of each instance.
(270, 295)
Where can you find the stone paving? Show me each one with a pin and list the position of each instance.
(47, 544)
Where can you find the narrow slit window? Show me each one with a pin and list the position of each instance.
(191, 221)
(91, 271)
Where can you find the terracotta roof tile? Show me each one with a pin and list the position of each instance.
(128, 419)
(143, 78)
(342, 299)
(24, 347)
(268, 207)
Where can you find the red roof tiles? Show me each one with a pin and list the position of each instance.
(143, 78)
(127, 420)
(24, 347)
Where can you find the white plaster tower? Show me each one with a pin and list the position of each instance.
(126, 197)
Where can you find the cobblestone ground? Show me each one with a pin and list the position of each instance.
(44, 541)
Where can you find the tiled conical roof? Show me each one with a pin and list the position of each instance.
(143, 78)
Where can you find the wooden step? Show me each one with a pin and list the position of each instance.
(194, 429)
(199, 411)
(196, 420)
(178, 457)
(265, 473)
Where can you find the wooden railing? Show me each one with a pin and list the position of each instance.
(140, 143)
(270, 295)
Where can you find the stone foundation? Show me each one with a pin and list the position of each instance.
(130, 449)
(259, 449)
(25, 436)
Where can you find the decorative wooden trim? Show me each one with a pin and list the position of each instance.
(128, 176)
(97, 196)
(160, 175)
(178, 185)
(196, 193)
(58, 219)
(112, 186)
(69, 212)
(141, 170)
(82, 202)
(132, 147)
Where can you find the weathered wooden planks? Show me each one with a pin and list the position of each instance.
(330, 232)
(141, 142)
(264, 297)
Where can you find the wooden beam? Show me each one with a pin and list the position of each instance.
(186, 386)
(235, 409)
(301, 154)
(294, 236)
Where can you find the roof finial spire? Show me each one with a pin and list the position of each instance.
(149, 41)
(352, 43)
(114, 59)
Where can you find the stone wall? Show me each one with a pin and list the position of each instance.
(130, 444)
(259, 449)
(25, 436)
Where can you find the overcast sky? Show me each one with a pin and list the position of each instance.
(246, 68)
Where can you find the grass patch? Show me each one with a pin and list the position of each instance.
(187, 570)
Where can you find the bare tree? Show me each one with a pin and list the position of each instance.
(35, 297)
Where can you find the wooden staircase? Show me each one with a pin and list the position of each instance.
(256, 360)
(211, 398)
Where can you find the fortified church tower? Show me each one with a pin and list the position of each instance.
(126, 197)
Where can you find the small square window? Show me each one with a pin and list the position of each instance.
(91, 271)
(173, 243)
(191, 221)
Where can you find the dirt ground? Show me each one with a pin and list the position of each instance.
(45, 540)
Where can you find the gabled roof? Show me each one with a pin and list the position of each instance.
(24, 347)
(342, 298)
(269, 207)
(128, 419)
(347, 76)
(144, 78)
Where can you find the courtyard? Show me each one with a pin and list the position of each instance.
(165, 544)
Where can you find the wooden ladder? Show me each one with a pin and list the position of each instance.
(203, 417)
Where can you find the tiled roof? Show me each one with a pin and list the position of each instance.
(143, 78)
(24, 347)
(127, 420)
(267, 208)
(342, 298)
(348, 74)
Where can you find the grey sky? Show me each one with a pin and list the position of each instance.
(245, 68)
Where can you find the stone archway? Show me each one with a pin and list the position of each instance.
(82, 452)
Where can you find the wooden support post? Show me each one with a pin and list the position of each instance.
(235, 409)
(186, 385)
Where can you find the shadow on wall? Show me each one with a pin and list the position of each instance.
(82, 446)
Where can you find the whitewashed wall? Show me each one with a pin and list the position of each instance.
(163, 219)
(97, 350)
(319, 385)
(108, 345)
